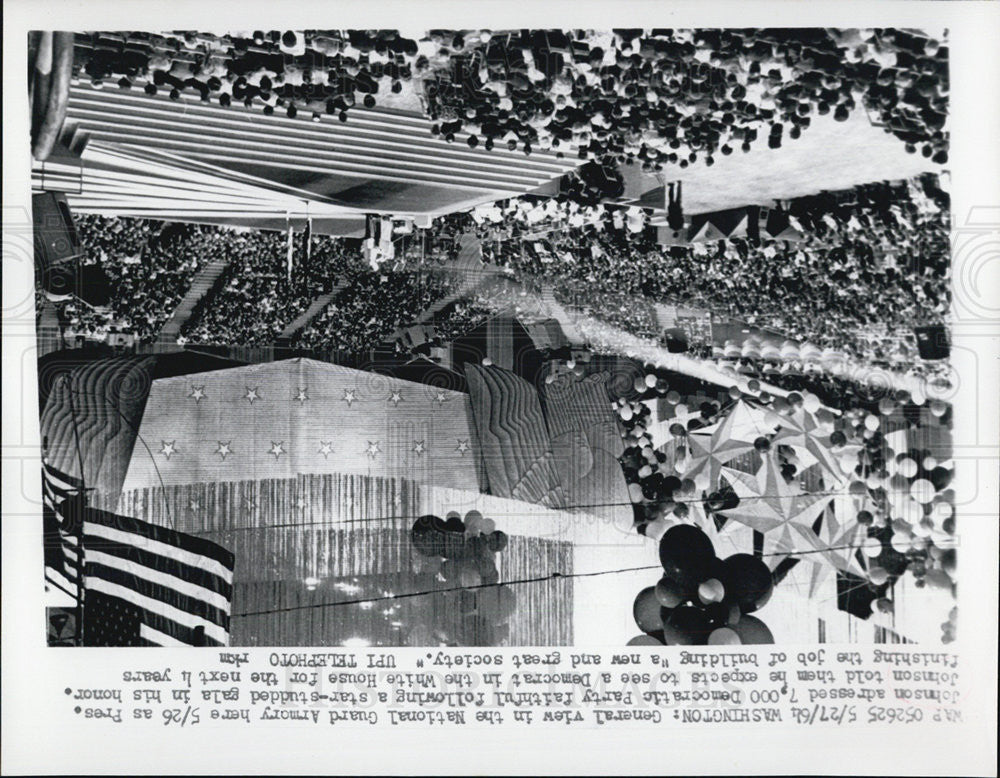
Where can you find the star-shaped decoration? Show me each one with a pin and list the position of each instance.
(395, 398)
(373, 449)
(440, 398)
(350, 395)
(194, 504)
(197, 393)
(168, 449)
(768, 502)
(301, 503)
(802, 432)
(277, 449)
(251, 504)
(713, 446)
(302, 395)
(224, 449)
(252, 394)
(325, 448)
(418, 447)
(462, 447)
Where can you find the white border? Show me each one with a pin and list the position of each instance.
(35, 741)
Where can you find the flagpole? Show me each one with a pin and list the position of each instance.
(82, 494)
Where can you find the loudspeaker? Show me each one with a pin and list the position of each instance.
(55, 236)
(932, 342)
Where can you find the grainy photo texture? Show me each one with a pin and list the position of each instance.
(494, 337)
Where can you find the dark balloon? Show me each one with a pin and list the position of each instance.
(748, 582)
(646, 611)
(497, 541)
(670, 593)
(753, 631)
(686, 626)
(455, 524)
(686, 554)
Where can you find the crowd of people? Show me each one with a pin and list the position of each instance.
(871, 262)
(655, 97)
(149, 264)
(258, 295)
(370, 308)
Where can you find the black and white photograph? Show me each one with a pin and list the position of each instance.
(493, 337)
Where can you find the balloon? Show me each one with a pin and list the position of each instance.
(812, 403)
(865, 518)
(488, 526)
(673, 397)
(907, 467)
(872, 422)
(724, 636)
(753, 632)
(650, 380)
(686, 626)
(686, 554)
(635, 492)
(878, 575)
(469, 575)
(455, 524)
(762, 444)
(644, 640)
(496, 541)
(922, 491)
(669, 593)
(711, 591)
(748, 582)
(646, 611)
(940, 477)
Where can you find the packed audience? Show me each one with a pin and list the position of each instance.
(654, 97)
(370, 308)
(870, 262)
(150, 266)
(256, 296)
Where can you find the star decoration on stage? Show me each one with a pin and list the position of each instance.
(277, 449)
(325, 448)
(395, 398)
(373, 449)
(194, 504)
(168, 449)
(197, 393)
(440, 398)
(350, 395)
(301, 503)
(224, 449)
(462, 447)
(418, 447)
(252, 394)
(302, 395)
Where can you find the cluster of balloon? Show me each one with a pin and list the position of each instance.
(655, 487)
(702, 599)
(461, 553)
(905, 488)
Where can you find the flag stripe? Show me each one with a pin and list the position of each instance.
(155, 607)
(191, 550)
(168, 595)
(158, 575)
(162, 547)
(158, 638)
(197, 576)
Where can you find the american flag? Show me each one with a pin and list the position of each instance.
(149, 585)
(62, 497)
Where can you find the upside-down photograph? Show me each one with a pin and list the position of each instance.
(506, 337)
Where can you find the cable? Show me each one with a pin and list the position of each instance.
(404, 517)
(549, 577)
